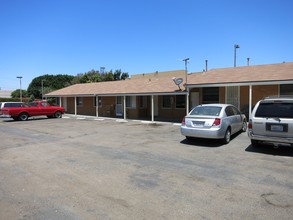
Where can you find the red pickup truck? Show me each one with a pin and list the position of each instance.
(36, 108)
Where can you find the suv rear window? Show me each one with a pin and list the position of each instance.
(273, 110)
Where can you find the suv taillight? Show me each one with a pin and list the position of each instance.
(217, 122)
(250, 124)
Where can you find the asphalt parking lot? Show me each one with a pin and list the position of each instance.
(87, 168)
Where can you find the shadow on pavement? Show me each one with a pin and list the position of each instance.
(30, 119)
(202, 142)
(269, 149)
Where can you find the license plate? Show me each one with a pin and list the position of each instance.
(277, 128)
(198, 123)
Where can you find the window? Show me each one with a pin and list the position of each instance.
(13, 105)
(210, 95)
(275, 110)
(206, 110)
(236, 111)
(180, 101)
(286, 89)
(44, 104)
(229, 111)
(79, 101)
(166, 101)
(33, 104)
(130, 101)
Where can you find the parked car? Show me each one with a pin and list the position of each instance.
(10, 104)
(36, 108)
(215, 121)
(271, 122)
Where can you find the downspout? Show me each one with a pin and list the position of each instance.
(60, 103)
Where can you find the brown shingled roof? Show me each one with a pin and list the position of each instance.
(245, 74)
(159, 85)
(130, 86)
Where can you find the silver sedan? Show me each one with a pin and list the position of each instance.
(216, 121)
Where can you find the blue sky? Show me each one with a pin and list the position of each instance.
(40, 37)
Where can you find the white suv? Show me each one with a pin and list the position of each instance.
(10, 104)
(271, 122)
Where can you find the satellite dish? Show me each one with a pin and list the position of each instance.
(178, 81)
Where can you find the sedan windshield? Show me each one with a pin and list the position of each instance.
(206, 110)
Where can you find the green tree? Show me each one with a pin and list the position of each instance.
(119, 75)
(107, 76)
(95, 76)
(32, 98)
(47, 83)
(16, 93)
(89, 77)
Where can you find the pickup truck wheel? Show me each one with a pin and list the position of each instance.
(58, 114)
(23, 117)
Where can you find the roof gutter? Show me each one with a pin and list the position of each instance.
(119, 94)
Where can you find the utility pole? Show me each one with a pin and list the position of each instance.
(43, 89)
(186, 61)
(235, 47)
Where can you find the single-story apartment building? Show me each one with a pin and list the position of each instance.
(156, 96)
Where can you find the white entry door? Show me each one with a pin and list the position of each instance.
(119, 106)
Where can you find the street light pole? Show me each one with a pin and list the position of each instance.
(20, 92)
(235, 47)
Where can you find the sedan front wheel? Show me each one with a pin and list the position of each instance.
(244, 126)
